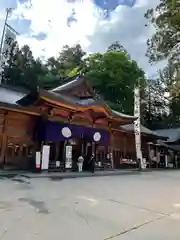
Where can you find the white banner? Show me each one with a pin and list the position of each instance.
(68, 157)
(38, 160)
(137, 125)
(45, 157)
(9, 38)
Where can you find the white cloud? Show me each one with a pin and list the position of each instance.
(52, 19)
(125, 24)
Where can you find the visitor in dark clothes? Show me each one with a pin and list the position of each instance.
(92, 163)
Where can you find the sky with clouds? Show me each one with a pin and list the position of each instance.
(48, 25)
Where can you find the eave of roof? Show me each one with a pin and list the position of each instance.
(77, 81)
(74, 82)
(18, 108)
(172, 134)
(83, 104)
(144, 130)
(58, 97)
(74, 103)
(122, 115)
(71, 101)
(11, 95)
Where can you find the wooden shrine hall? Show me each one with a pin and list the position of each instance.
(69, 115)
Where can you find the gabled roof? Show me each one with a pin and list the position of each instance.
(59, 96)
(144, 130)
(77, 81)
(119, 114)
(173, 134)
(72, 83)
(10, 95)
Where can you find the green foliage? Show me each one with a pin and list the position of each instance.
(165, 41)
(116, 47)
(114, 76)
(22, 69)
(70, 58)
(165, 45)
(155, 109)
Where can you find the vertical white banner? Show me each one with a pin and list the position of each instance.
(38, 160)
(137, 126)
(68, 157)
(9, 38)
(45, 157)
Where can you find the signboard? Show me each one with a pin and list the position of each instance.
(68, 156)
(45, 157)
(137, 125)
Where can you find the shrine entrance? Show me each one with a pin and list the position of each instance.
(69, 141)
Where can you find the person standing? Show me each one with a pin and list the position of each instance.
(80, 163)
(92, 163)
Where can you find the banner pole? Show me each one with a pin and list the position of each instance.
(8, 10)
(3, 32)
(137, 127)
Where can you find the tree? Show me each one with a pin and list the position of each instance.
(155, 112)
(22, 69)
(68, 63)
(70, 58)
(116, 47)
(165, 42)
(171, 77)
(113, 75)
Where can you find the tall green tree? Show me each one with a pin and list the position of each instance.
(70, 58)
(22, 69)
(25, 71)
(68, 63)
(113, 75)
(116, 47)
(155, 112)
(165, 45)
(165, 42)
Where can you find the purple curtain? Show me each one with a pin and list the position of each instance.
(53, 131)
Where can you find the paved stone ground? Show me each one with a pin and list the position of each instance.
(128, 207)
(70, 174)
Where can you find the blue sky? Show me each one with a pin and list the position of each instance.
(47, 25)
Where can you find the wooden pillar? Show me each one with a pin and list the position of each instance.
(94, 148)
(176, 162)
(124, 145)
(4, 147)
(4, 140)
(57, 151)
(157, 156)
(82, 146)
(111, 150)
(93, 143)
(149, 155)
(64, 154)
(111, 145)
